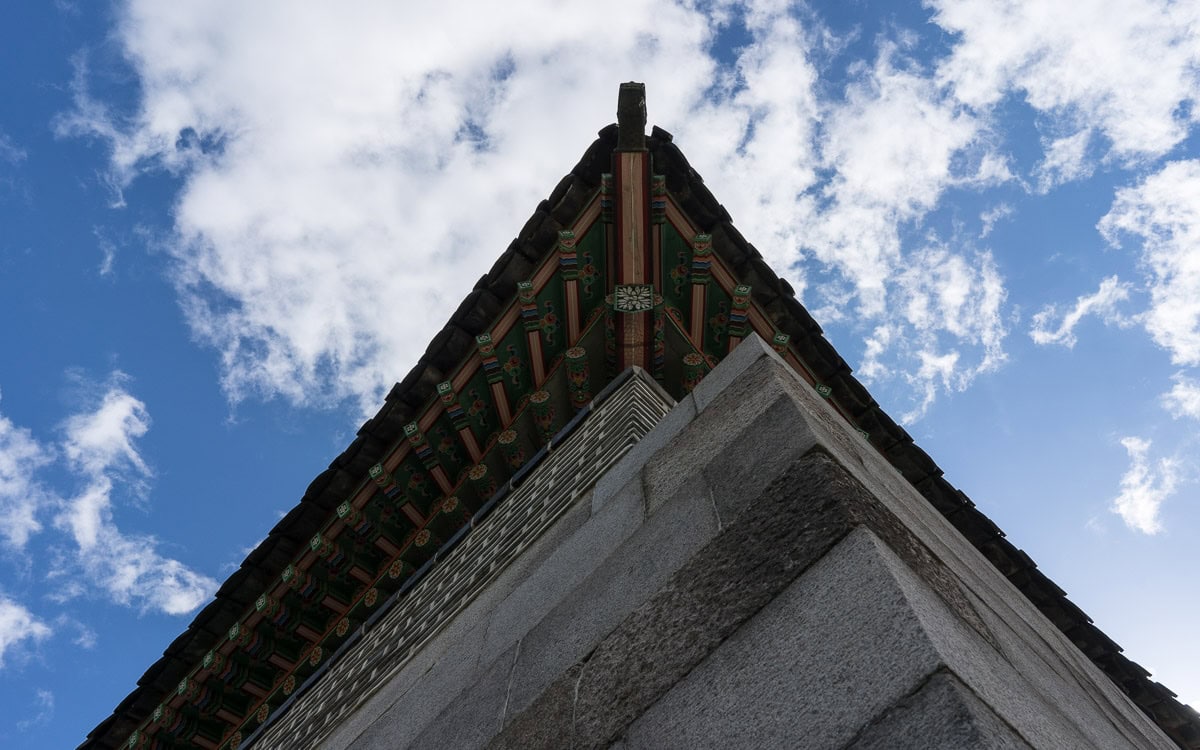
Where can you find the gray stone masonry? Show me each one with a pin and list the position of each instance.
(751, 574)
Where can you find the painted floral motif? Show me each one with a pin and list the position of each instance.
(513, 366)
(631, 298)
(511, 449)
(397, 569)
(549, 322)
(543, 411)
(718, 323)
(693, 370)
(587, 276)
(679, 274)
(477, 403)
(448, 446)
(578, 376)
(417, 482)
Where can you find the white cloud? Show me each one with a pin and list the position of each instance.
(9, 151)
(1163, 214)
(1127, 70)
(343, 192)
(40, 713)
(754, 138)
(1066, 160)
(1183, 400)
(895, 145)
(102, 440)
(22, 497)
(882, 158)
(952, 304)
(100, 446)
(17, 626)
(339, 199)
(1101, 303)
(108, 252)
(1144, 487)
(877, 345)
(85, 637)
(989, 218)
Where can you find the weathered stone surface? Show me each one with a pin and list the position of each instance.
(720, 586)
(776, 437)
(477, 714)
(782, 309)
(420, 691)
(746, 355)
(762, 544)
(632, 463)
(835, 648)
(942, 715)
(627, 576)
(548, 724)
(571, 551)
(442, 669)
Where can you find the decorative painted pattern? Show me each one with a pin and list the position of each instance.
(495, 377)
(568, 269)
(424, 452)
(658, 199)
(642, 277)
(579, 387)
(700, 272)
(693, 371)
(739, 316)
(458, 418)
(531, 321)
(542, 408)
(633, 298)
(483, 554)
(511, 448)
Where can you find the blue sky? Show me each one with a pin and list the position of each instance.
(227, 228)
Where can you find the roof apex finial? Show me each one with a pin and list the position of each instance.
(631, 117)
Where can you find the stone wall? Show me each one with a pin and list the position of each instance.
(750, 574)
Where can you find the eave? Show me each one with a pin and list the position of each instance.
(454, 356)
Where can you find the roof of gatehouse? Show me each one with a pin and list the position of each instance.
(630, 262)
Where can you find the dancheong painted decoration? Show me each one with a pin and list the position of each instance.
(630, 263)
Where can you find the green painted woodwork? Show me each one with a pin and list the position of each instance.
(677, 268)
(593, 273)
(373, 542)
(716, 321)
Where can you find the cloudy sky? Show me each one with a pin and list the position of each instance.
(226, 229)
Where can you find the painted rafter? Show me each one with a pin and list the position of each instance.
(321, 597)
